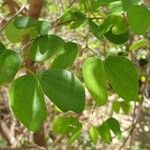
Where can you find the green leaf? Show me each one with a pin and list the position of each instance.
(27, 101)
(45, 46)
(24, 22)
(116, 7)
(79, 19)
(125, 107)
(67, 56)
(2, 48)
(129, 3)
(117, 39)
(10, 62)
(94, 134)
(122, 75)
(139, 15)
(115, 29)
(119, 25)
(64, 89)
(67, 17)
(75, 136)
(69, 126)
(73, 18)
(114, 126)
(95, 79)
(43, 27)
(116, 106)
(138, 44)
(105, 132)
(14, 34)
(95, 29)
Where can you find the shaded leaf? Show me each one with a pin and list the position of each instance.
(105, 132)
(67, 56)
(10, 63)
(24, 22)
(114, 126)
(45, 46)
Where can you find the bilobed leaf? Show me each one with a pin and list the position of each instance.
(67, 56)
(95, 79)
(10, 63)
(45, 46)
(2, 48)
(139, 15)
(27, 101)
(94, 134)
(64, 89)
(104, 132)
(115, 29)
(69, 126)
(24, 22)
(122, 75)
(119, 25)
(114, 126)
(14, 34)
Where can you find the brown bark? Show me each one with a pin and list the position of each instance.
(34, 11)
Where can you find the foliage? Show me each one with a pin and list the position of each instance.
(112, 21)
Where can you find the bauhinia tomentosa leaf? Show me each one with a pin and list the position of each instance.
(114, 126)
(73, 18)
(27, 101)
(111, 124)
(122, 75)
(14, 34)
(23, 22)
(45, 46)
(69, 126)
(115, 29)
(139, 15)
(10, 62)
(104, 132)
(94, 134)
(139, 44)
(95, 79)
(64, 89)
(43, 27)
(96, 30)
(67, 56)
